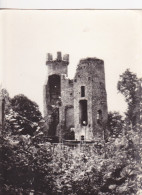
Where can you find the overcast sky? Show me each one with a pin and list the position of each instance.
(27, 36)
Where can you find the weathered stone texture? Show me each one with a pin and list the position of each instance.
(57, 66)
(83, 78)
(82, 102)
(69, 117)
(90, 73)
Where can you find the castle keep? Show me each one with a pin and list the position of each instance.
(77, 108)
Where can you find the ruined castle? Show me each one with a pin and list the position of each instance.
(78, 106)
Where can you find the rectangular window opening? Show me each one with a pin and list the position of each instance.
(82, 91)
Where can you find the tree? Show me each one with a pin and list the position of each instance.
(23, 158)
(25, 107)
(130, 86)
(115, 124)
(24, 115)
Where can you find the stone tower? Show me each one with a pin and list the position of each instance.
(90, 101)
(55, 95)
(76, 106)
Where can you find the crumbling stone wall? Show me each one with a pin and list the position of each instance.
(82, 103)
(58, 101)
(67, 96)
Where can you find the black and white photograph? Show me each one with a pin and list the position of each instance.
(71, 102)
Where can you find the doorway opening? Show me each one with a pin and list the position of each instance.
(54, 88)
(83, 112)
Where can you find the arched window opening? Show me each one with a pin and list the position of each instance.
(82, 137)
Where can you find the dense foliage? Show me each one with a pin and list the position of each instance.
(114, 168)
(23, 159)
(115, 124)
(22, 115)
(29, 163)
(24, 165)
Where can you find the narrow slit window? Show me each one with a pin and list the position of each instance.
(99, 116)
(82, 91)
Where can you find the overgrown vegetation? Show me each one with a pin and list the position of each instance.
(29, 163)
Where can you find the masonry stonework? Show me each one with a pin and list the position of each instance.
(76, 106)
